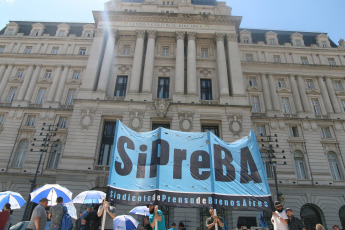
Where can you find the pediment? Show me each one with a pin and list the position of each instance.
(283, 90)
(74, 82)
(63, 25)
(12, 24)
(271, 33)
(89, 26)
(296, 35)
(313, 91)
(38, 25)
(340, 92)
(15, 80)
(44, 81)
(245, 32)
(322, 36)
(254, 89)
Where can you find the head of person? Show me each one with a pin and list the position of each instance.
(289, 212)
(89, 207)
(336, 227)
(146, 220)
(181, 225)
(59, 200)
(211, 210)
(173, 225)
(44, 202)
(278, 206)
(7, 206)
(151, 207)
(319, 227)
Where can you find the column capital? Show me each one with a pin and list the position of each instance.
(151, 34)
(180, 35)
(219, 37)
(191, 35)
(140, 33)
(113, 32)
(231, 37)
(100, 32)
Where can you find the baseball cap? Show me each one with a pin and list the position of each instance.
(173, 224)
(288, 209)
(277, 203)
(151, 203)
(44, 199)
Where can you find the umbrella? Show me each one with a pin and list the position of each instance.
(90, 197)
(71, 210)
(125, 222)
(15, 199)
(51, 192)
(140, 210)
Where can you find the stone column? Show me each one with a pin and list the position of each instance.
(2, 71)
(221, 64)
(24, 87)
(179, 71)
(32, 85)
(303, 94)
(234, 63)
(266, 92)
(107, 61)
(274, 94)
(333, 97)
(295, 94)
(191, 65)
(55, 83)
(5, 79)
(62, 83)
(325, 96)
(90, 77)
(149, 62)
(137, 63)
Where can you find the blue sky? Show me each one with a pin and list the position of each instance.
(296, 15)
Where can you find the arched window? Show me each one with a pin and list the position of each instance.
(19, 159)
(300, 166)
(267, 164)
(55, 155)
(342, 216)
(334, 166)
(310, 216)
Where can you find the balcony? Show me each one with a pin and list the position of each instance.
(5, 104)
(35, 105)
(66, 106)
(286, 115)
(322, 116)
(258, 114)
(209, 102)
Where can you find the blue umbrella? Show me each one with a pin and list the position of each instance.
(140, 210)
(51, 192)
(125, 222)
(90, 197)
(15, 199)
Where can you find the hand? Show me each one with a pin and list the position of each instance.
(156, 209)
(105, 204)
(214, 221)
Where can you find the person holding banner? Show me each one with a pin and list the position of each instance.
(110, 211)
(156, 217)
(279, 218)
(213, 220)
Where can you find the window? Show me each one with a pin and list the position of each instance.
(298, 42)
(255, 104)
(2, 49)
(61, 33)
(252, 81)
(276, 59)
(260, 130)
(299, 166)
(249, 57)
(10, 32)
(272, 41)
(55, 155)
(107, 143)
(87, 34)
(324, 44)
(334, 166)
(18, 161)
(343, 104)
(163, 125)
(338, 85)
(286, 105)
(48, 73)
(165, 51)
(316, 106)
(331, 61)
(245, 39)
(126, 50)
(20, 73)
(2, 118)
(310, 84)
(281, 83)
(267, 164)
(11, 95)
(35, 32)
(212, 128)
(163, 87)
(76, 75)
(82, 51)
(204, 53)
(55, 50)
(40, 96)
(70, 97)
(121, 86)
(326, 132)
(62, 122)
(293, 131)
(205, 89)
(304, 60)
(30, 121)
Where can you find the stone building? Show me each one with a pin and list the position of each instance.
(180, 64)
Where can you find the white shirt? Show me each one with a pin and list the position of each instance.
(277, 223)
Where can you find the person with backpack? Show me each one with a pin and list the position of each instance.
(55, 214)
(66, 221)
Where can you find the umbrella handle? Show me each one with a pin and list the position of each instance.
(103, 218)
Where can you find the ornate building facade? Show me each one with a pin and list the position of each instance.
(180, 64)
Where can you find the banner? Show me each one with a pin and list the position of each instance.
(187, 169)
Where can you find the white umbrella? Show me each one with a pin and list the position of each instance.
(89, 197)
(51, 192)
(71, 209)
(140, 210)
(15, 199)
(125, 222)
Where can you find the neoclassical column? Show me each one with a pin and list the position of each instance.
(221, 64)
(295, 94)
(235, 68)
(24, 87)
(5, 79)
(274, 95)
(90, 77)
(108, 60)
(266, 92)
(325, 96)
(331, 92)
(191, 65)
(304, 97)
(32, 85)
(62, 83)
(2, 70)
(55, 83)
(149, 61)
(179, 67)
(137, 63)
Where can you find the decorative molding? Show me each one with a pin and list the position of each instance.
(136, 119)
(191, 35)
(219, 37)
(99, 32)
(87, 117)
(123, 68)
(186, 121)
(180, 35)
(235, 123)
(205, 72)
(330, 147)
(152, 34)
(162, 107)
(166, 71)
(140, 33)
(231, 37)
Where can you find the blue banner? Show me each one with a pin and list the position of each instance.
(187, 169)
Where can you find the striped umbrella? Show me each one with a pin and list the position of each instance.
(51, 192)
(89, 197)
(15, 199)
(125, 222)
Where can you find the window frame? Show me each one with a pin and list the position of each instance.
(19, 157)
(40, 96)
(55, 50)
(204, 52)
(55, 155)
(63, 122)
(206, 93)
(316, 106)
(286, 105)
(165, 51)
(70, 97)
(163, 89)
(28, 49)
(121, 87)
(82, 51)
(300, 166)
(126, 50)
(335, 167)
(11, 95)
(256, 107)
